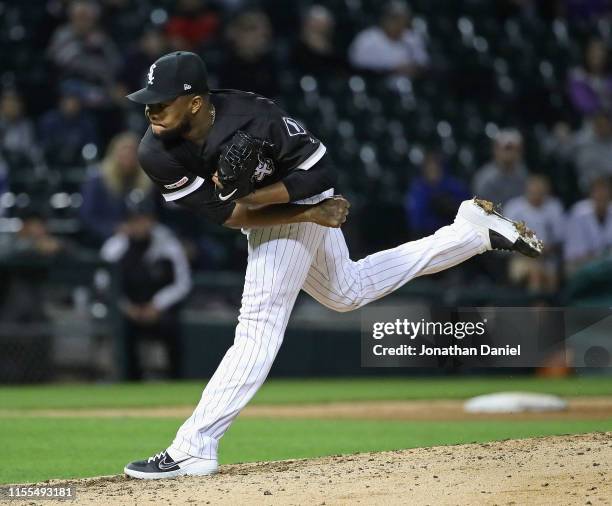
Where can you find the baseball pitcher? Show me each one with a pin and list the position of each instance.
(239, 160)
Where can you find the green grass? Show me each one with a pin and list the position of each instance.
(292, 391)
(43, 448)
(39, 449)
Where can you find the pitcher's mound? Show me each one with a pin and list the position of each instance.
(550, 470)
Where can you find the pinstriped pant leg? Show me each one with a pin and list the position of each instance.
(279, 260)
(343, 285)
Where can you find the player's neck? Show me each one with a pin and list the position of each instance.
(202, 126)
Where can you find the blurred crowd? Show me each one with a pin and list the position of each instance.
(447, 123)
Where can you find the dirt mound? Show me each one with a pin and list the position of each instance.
(558, 470)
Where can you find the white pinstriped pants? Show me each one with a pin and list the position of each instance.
(283, 260)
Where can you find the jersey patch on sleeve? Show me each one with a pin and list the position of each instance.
(183, 192)
(293, 127)
(178, 184)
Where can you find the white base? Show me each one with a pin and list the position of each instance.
(514, 402)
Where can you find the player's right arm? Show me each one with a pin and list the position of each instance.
(198, 195)
(331, 212)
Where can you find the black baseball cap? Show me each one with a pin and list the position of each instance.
(173, 75)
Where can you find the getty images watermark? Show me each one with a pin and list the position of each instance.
(485, 337)
(457, 330)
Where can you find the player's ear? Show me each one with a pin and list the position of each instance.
(196, 104)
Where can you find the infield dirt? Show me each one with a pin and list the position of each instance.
(578, 408)
(558, 470)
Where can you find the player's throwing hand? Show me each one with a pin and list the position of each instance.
(331, 212)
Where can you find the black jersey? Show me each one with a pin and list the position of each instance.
(181, 168)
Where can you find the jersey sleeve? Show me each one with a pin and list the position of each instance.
(294, 147)
(178, 185)
(204, 203)
(172, 179)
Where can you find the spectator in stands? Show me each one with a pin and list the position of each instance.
(155, 279)
(590, 85)
(108, 192)
(528, 10)
(546, 218)
(18, 142)
(393, 47)
(85, 55)
(578, 11)
(505, 176)
(315, 52)
(192, 25)
(124, 19)
(250, 63)
(4, 180)
(591, 150)
(589, 229)
(434, 197)
(231, 5)
(152, 44)
(65, 130)
(22, 286)
(33, 237)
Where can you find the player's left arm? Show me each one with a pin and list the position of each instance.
(304, 158)
(273, 194)
(297, 185)
(310, 170)
(301, 157)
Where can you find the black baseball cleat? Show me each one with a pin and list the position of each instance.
(162, 466)
(500, 232)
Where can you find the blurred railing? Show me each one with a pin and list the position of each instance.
(79, 334)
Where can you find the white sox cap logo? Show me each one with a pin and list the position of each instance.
(150, 75)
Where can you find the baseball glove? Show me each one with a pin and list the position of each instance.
(237, 164)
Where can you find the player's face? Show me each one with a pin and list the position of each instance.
(170, 120)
